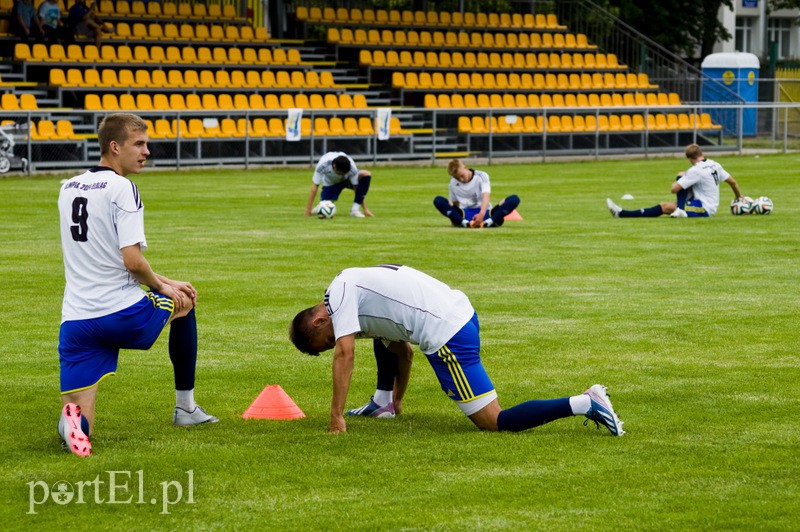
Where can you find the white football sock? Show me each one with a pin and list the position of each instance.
(185, 399)
(355, 208)
(488, 222)
(382, 397)
(580, 404)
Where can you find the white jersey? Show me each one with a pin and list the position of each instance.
(704, 179)
(101, 212)
(396, 303)
(469, 195)
(324, 174)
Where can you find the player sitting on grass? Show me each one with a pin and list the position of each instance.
(469, 199)
(697, 191)
(105, 308)
(399, 305)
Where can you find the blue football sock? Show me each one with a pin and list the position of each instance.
(650, 212)
(455, 214)
(682, 195)
(387, 365)
(533, 413)
(362, 189)
(499, 213)
(183, 350)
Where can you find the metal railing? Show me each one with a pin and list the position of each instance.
(638, 130)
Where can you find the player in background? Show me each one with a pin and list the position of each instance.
(469, 204)
(696, 190)
(105, 309)
(399, 306)
(336, 171)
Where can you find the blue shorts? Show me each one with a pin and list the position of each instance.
(459, 369)
(331, 192)
(470, 213)
(88, 349)
(694, 209)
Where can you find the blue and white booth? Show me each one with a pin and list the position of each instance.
(730, 75)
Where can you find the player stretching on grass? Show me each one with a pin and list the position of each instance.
(469, 199)
(105, 309)
(336, 171)
(697, 191)
(400, 305)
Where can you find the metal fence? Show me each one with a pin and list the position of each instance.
(509, 133)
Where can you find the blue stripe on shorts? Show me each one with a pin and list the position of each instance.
(88, 349)
(694, 209)
(458, 365)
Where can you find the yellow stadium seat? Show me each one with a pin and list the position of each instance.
(177, 102)
(258, 102)
(163, 129)
(161, 102)
(110, 102)
(144, 102)
(92, 102)
(215, 11)
(208, 101)
(155, 31)
(57, 77)
(108, 78)
(241, 102)
(45, 130)
(365, 126)
(127, 102)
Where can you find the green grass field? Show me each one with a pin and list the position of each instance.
(692, 324)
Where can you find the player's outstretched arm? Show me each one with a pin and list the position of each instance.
(312, 194)
(734, 186)
(484, 205)
(343, 356)
(367, 212)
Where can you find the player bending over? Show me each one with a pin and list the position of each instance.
(336, 171)
(400, 306)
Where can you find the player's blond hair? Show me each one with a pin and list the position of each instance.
(118, 127)
(693, 151)
(453, 166)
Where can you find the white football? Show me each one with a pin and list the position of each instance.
(325, 209)
(762, 205)
(741, 206)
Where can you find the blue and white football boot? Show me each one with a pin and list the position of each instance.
(373, 409)
(601, 412)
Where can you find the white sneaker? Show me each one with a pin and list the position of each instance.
(613, 207)
(357, 214)
(198, 416)
(679, 213)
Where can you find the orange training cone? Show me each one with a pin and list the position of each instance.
(513, 215)
(273, 403)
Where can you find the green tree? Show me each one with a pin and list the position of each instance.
(684, 27)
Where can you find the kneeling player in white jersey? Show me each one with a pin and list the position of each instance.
(401, 306)
(469, 204)
(105, 308)
(696, 190)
